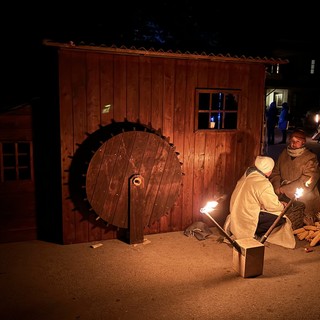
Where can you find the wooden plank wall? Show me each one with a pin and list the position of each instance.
(17, 197)
(159, 91)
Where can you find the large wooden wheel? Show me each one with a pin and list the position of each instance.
(123, 156)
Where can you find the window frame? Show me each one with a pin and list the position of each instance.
(212, 111)
(21, 161)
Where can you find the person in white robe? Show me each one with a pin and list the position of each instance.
(254, 206)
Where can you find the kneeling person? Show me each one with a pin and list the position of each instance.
(254, 206)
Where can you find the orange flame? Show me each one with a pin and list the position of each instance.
(210, 206)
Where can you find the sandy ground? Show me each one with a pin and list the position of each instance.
(169, 276)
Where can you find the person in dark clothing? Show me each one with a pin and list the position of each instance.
(284, 121)
(271, 121)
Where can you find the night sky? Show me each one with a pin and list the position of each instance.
(171, 25)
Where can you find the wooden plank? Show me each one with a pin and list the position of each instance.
(202, 70)
(168, 98)
(79, 99)
(150, 171)
(106, 88)
(169, 180)
(233, 148)
(179, 128)
(248, 115)
(102, 193)
(220, 164)
(93, 104)
(153, 226)
(15, 128)
(94, 111)
(202, 74)
(67, 145)
(157, 91)
(229, 170)
(220, 176)
(132, 89)
(189, 146)
(210, 165)
(170, 185)
(17, 223)
(134, 146)
(107, 104)
(145, 90)
(120, 88)
(167, 121)
(199, 174)
(259, 103)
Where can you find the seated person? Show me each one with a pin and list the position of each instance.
(298, 167)
(254, 207)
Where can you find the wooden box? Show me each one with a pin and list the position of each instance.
(249, 263)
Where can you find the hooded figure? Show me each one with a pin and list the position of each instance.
(254, 199)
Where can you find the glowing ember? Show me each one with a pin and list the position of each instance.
(210, 206)
(299, 192)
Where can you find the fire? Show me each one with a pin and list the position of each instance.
(307, 184)
(209, 207)
(298, 193)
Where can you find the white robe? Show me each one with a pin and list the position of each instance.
(252, 194)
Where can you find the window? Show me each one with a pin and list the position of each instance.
(312, 67)
(15, 161)
(217, 109)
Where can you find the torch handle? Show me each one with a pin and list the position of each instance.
(266, 235)
(234, 243)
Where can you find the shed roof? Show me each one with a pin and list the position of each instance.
(161, 53)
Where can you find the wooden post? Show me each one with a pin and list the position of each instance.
(136, 196)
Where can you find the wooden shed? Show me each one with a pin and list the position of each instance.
(145, 139)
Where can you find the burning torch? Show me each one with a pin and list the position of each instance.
(298, 194)
(210, 206)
